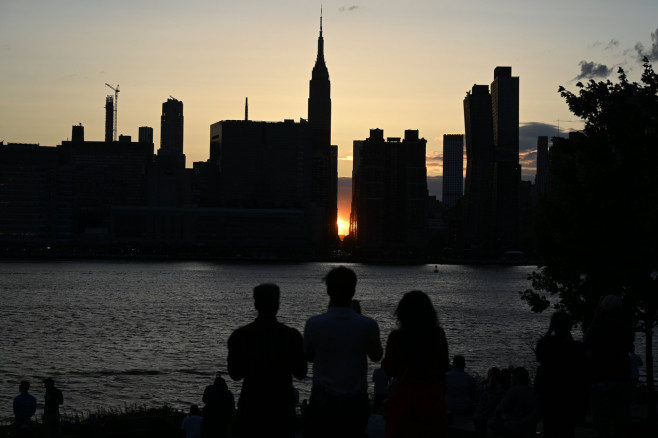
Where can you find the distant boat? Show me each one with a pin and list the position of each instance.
(436, 268)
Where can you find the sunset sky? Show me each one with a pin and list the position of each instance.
(393, 65)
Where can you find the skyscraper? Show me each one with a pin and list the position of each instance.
(541, 180)
(389, 192)
(507, 172)
(145, 134)
(478, 228)
(109, 119)
(324, 169)
(171, 128)
(453, 169)
(493, 173)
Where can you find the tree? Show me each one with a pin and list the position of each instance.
(598, 223)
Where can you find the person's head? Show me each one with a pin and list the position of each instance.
(24, 386)
(493, 375)
(459, 362)
(520, 376)
(341, 286)
(266, 299)
(194, 410)
(220, 382)
(561, 323)
(416, 309)
(49, 383)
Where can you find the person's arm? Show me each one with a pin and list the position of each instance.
(234, 361)
(309, 350)
(299, 364)
(375, 352)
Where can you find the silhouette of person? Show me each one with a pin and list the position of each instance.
(266, 354)
(416, 359)
(636, 363)
(560, 381)
(380, 380)
(339, 343)
(460, 388)
(607, 342)
(191, 424)
(487, 398)
(218, 408)
(25, 405)
(52, 400)
(518, 413)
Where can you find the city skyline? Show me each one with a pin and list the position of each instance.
(393, 66)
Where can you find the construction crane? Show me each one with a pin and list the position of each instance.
(116, 106)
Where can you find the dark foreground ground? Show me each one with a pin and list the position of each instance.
(165, 423)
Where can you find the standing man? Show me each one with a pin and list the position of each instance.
(339, 343)
(266, 354)
(52, 401)
(25, 405)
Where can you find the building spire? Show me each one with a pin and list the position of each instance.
(320, 21)
(246, 109)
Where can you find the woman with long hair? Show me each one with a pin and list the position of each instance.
(416, 358)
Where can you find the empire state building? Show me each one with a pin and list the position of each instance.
(325, 156)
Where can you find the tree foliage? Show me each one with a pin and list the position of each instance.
(598, 223)
(598, 227)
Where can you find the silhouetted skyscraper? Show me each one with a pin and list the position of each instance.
(389, 192)
(493, 173)
(478, 210)
(507, 172)
(145, 134)
(171, 128)
(453, 168)
(541, 180)
(109, 119)
(324, 168)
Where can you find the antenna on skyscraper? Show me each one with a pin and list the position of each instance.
(246, 109)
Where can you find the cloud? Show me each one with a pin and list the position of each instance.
(613, 44)
(593, 70)
(652, 53)
(348, 8)
(434, 160)
(528, 133)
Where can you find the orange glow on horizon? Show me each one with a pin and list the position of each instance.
(343, 227)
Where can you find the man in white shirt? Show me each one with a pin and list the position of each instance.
(339, 343)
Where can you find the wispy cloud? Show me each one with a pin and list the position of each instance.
(592, 70)
(652, 52)
(434, 159)
(348, 8)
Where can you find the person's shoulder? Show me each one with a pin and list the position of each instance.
(366, 320)
(319, 318)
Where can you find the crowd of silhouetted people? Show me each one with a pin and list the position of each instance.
(417, 392)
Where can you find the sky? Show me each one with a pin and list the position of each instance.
(393, 65)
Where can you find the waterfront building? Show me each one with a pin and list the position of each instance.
(453, 169)
(507, 171)
(35, 195)
(493, 173)
(389, 192)
(478, 209)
